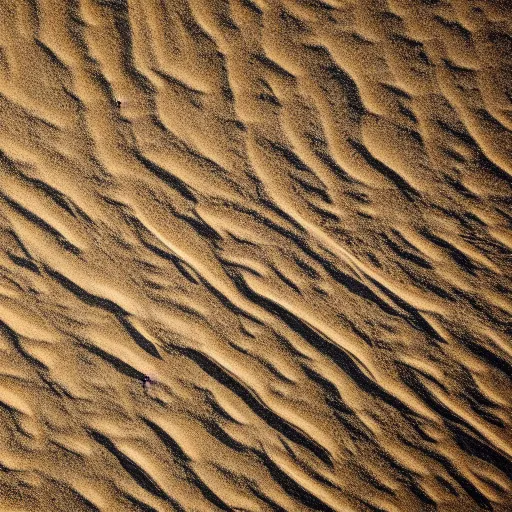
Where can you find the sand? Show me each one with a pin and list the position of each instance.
(255, 255)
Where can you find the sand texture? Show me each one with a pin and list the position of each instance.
(255, 255)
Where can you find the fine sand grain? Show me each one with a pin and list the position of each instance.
(255, 255)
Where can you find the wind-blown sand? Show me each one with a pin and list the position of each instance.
(255, 255)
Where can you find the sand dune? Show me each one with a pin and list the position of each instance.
(255, 255)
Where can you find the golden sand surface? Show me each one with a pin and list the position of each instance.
(255, 255)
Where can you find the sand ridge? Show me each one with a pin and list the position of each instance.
(255, 255)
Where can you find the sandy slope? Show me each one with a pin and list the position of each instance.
(255, 255)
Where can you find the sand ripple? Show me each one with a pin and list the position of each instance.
(255, 255)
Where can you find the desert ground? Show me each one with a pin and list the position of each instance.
(255, 255)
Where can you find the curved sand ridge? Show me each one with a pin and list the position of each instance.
(255, 255)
